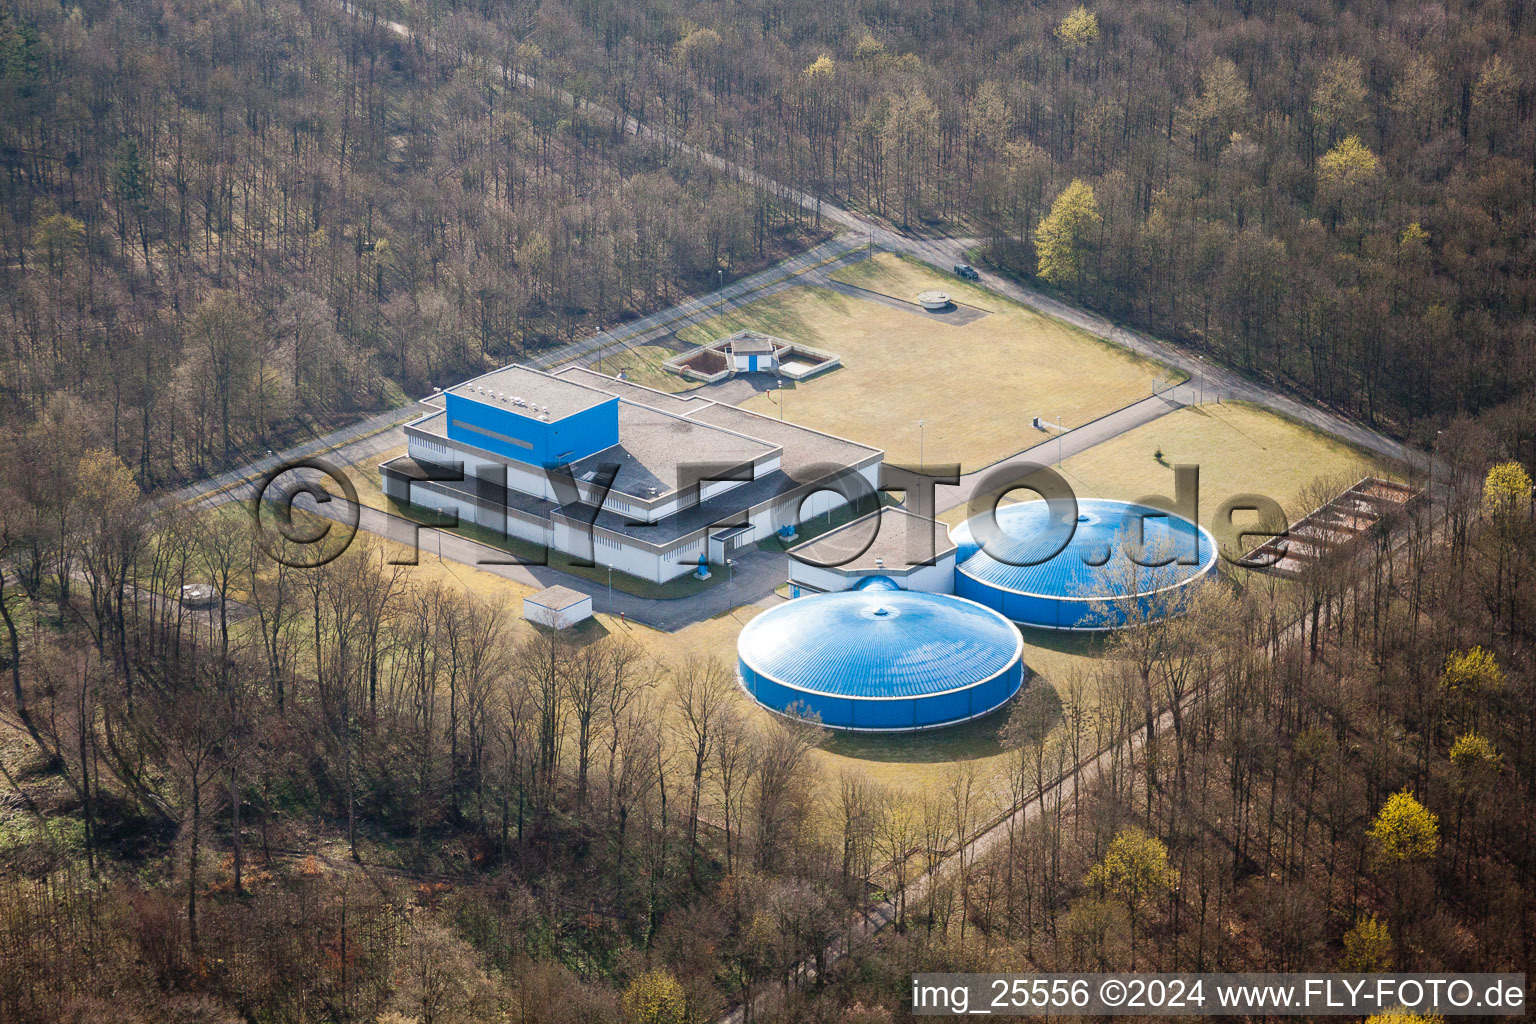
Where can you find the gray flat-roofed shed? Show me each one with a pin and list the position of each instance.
(914, 552)
(557, 607)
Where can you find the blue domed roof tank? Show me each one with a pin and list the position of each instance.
(882, 660)
(1035, 574)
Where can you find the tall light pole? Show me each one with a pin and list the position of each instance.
(781, 399)
(720, 287)
(610, 588)
(730, 563)
(920, 446)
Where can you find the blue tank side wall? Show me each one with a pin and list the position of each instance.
(529, 439)
(912, 713)
(1048, 612)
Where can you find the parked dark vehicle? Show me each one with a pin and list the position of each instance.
(967, 271)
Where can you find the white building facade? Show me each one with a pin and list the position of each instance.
(618, 475)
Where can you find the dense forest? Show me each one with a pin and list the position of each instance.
(377, 798)
(1337, 196)
(1353, 796)
(361, 795)
(272, 199)
(224, 223)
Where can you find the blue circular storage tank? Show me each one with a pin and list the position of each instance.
(881, 660)
(1031, 572)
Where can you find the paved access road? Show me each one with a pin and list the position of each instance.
(375, 434)
(758, 576)
(944, 252)
(816, 261)
(756, 572)
(381, 432)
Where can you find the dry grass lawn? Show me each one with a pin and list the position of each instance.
(365, 477)
(976, 386)
(642, 365)
(1239, 448)
(905, 278)
(910, 763)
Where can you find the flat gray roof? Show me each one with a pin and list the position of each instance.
(654, 447)
(680, 405)
(562, 397)
(807, 453)
(805, 450)
(436, 423)
(720, 508)
(751, 341)
(899, 544)
(557, 598)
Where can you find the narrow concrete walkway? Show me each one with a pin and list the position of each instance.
(944, 253)
(1051, 451)
(358, 439)
(957, 315)
(381, 432)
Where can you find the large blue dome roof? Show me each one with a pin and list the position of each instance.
(1095, 563)
(874, 644)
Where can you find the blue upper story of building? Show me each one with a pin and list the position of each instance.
(532, 418)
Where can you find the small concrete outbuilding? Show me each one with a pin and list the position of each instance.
(752, 352)
(557, 607)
